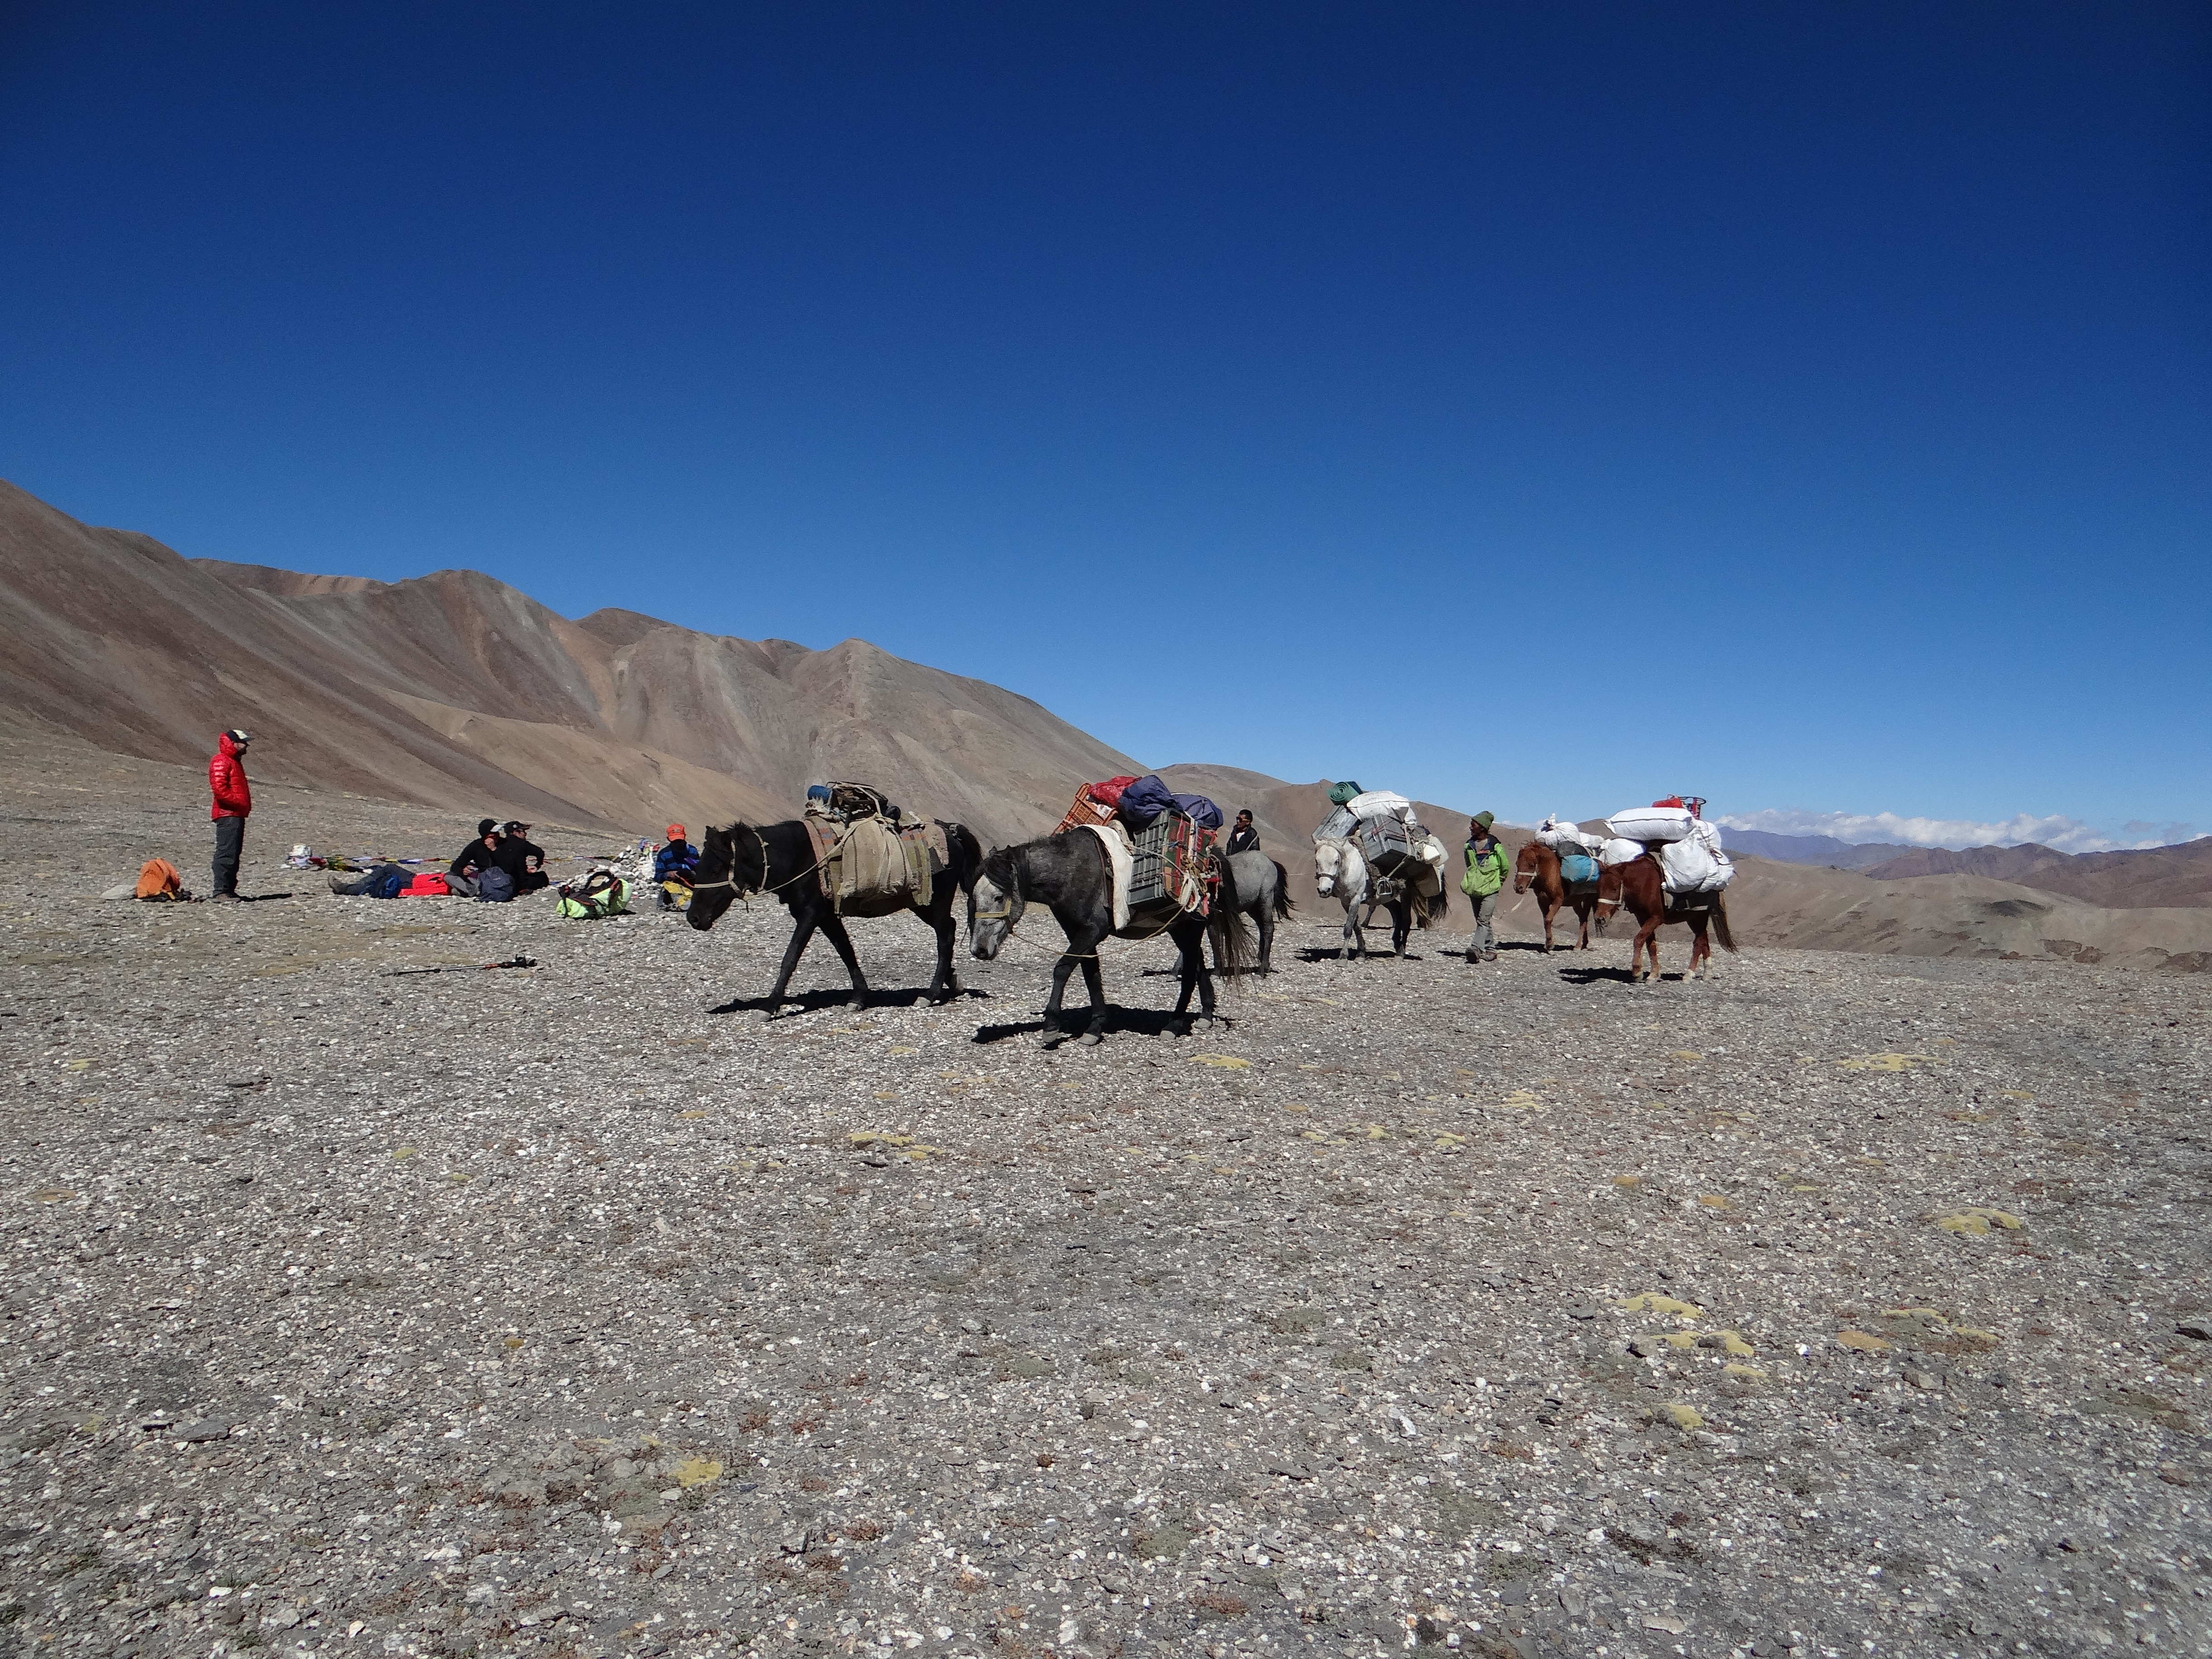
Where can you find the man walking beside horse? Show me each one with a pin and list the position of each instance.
(1487, 868)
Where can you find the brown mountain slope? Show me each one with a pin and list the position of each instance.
(2153, 878)
(456, 689)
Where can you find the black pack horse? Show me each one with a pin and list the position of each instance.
(1069, 875)
(779, 859)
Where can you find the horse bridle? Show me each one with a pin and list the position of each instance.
(730, 881)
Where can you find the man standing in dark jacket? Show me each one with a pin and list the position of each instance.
(233, 804)
(1243, 838)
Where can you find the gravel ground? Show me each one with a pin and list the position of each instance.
(1840, 1305)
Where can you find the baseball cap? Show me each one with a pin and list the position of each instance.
(676, 832)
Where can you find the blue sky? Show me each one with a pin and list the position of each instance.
(1537, 407)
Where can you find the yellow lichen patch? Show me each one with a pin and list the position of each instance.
(697, 1472)
(461, 1176)
(1861, 1341)
(511, 1341)
(1653, 1302)
(902, 1048)
(1683, 1340)
(920, 1154)
(77, 1065)
(1683, 1416)
(1686, 1054)
(1745, 1373)
(691, 1115)
(2018, 1094)
(879, 1138)
(53, 1195)
(1713, 1200)
(1804, 1186)
(1733, 1344)
(1311, 1135)
(1628, 1180)
(1886, 1062)
(1978, 1222)
(1522, 1100)
(1446, 1137)
(1373, 1131)
(1974, 1334)
(403, 1151)
(1226, 1062)
(1296, 1106)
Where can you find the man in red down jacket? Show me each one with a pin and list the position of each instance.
(234, 803)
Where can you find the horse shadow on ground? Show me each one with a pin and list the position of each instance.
(796, 1003)
(1317, 953)
(1606, 977)
(1124, 1022)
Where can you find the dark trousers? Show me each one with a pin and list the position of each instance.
(229, 843)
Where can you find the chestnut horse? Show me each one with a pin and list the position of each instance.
(1639, 886)
(1538, 866)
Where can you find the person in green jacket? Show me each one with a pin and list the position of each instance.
(1487, 868)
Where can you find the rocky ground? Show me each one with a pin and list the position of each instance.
(1840, 1305)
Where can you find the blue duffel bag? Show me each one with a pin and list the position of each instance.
(1577, 869)
(1198, 810)
(1143, 801)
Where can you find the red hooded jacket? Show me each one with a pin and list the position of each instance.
(233, 796)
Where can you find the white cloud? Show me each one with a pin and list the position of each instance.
(2066, 835)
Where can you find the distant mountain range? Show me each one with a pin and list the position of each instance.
(2153, 878)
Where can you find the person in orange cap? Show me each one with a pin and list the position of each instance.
(673, 867)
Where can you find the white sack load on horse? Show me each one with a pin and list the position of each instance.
(1696, 864)
(1652, 823)
(1564, 835)
(1619, 850)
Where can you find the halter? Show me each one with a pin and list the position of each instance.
(730, 881)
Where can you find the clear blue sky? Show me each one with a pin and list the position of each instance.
(1533, 406)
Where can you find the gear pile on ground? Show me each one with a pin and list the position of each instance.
(1843, 1304)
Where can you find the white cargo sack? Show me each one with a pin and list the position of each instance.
(1688, 865)
(1381, 804)
(1619, 850)
(1651, 823)
(1561, 835)
(1429, 878)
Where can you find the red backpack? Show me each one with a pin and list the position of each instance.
(427, 883)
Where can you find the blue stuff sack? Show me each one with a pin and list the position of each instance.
(1198, 810)
(1577, 869)
(1143, 801)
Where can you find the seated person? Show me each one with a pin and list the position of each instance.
(474, 860)
(524, 862)
(676, 863)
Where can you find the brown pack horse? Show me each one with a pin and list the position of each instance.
(1638, 885)
(1538, 868)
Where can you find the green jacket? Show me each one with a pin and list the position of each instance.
(1485, 873)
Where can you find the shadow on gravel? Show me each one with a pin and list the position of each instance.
(797, 1003)
(1605, 976)
(1130, 1021)
(1315, 953)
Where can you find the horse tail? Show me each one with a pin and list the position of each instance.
(1282, 889)
(1720, 925)
(967, 857)
(1234, 954)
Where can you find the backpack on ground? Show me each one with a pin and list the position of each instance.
(593, 897)
(493, 886)
(158, 878)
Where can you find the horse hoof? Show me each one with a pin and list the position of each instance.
(1092, 1039)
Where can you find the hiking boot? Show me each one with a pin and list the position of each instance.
(222, 898)
(1490, 956)
(339, 886)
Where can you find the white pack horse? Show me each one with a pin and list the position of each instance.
(1342, 872)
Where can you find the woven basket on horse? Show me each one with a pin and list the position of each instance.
(1172, 870)
(1095, 802)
